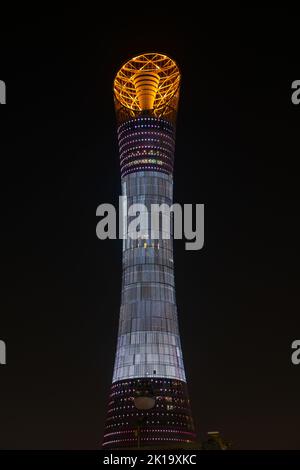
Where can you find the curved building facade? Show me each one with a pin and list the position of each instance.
(148, 403)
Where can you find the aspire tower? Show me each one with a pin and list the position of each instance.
(148, 403)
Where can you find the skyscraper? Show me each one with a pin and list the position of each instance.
(148, 404)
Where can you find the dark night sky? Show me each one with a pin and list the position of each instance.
(237, 152)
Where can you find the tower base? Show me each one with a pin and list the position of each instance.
(169, 421)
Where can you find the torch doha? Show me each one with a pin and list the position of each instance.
(148, 360)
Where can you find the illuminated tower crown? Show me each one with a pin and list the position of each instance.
(148, 404)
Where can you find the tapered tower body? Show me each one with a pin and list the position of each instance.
(148, 403)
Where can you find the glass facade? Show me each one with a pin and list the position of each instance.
(148, 340)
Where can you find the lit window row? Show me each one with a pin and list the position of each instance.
(166, 130)
(157, 142)
(139, 153)
(135, 136)
(124, 384)
(155, 148)
(145, 121)
(166, 135)
(141, 161)
(143, 168)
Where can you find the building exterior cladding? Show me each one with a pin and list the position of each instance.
(149, 357)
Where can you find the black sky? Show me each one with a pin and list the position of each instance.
(237, 152)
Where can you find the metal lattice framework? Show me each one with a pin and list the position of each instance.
(163, 66)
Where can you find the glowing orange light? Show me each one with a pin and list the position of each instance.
(148, 81)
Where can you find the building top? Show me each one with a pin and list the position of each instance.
(147, 82)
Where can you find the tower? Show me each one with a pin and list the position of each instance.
(148, 403)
